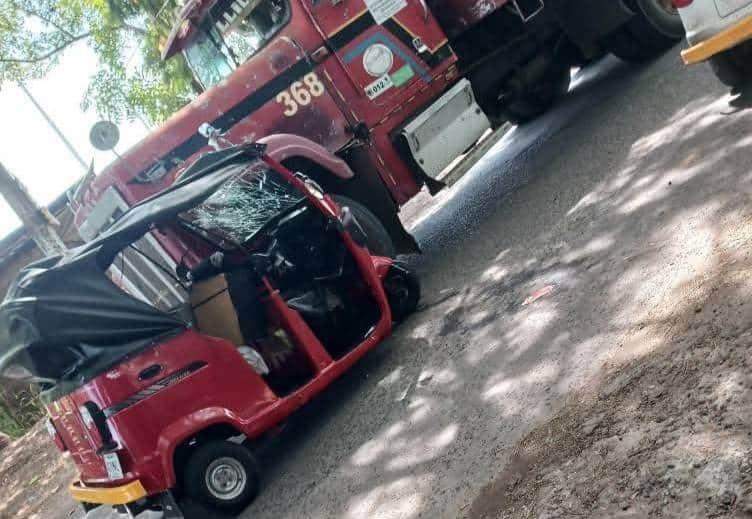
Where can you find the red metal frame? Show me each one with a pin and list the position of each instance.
(222, 388)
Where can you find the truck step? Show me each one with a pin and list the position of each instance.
(462, 164)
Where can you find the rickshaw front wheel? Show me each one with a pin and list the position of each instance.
(402, 288)
(222, 475)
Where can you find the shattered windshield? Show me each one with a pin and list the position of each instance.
(208, 61)
(233, 31)
(243, 204)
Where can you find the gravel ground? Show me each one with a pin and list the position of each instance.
(34, 479)
(571, 253)
(665, 429)
(581, 346)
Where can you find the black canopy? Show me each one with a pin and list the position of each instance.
(64, 320)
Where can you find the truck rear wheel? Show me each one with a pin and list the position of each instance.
(222, 475)
(534, 102)
(655, 27)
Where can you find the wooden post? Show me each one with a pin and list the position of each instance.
(39, 223)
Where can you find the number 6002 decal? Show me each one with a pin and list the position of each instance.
(301, 93)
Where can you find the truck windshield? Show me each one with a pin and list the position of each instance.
(232, 32)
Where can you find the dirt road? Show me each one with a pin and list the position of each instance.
(582, 345)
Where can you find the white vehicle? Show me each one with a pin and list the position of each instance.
(719, 31)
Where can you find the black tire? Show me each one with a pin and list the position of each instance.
(217, 464)
(378, 240)
(535, 102)
(402, 288)
(653, 30)
(732, 67)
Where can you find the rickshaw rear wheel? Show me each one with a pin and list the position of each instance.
(222, 475)
(402, 288)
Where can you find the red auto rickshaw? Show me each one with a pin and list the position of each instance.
(281, 297)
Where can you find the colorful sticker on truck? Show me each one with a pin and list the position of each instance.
(403, 75)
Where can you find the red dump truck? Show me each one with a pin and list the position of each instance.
(372, 98)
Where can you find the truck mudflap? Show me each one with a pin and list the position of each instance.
(443, 131)
(603, 18)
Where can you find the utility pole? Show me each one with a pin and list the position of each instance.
(54, 127)
(38, 221)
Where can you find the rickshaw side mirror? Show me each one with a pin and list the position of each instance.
(353, 228)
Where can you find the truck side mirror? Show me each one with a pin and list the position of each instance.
(214, 137)
(207, 131)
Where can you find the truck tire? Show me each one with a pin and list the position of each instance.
(534, 102)
(222, 475)
(379, 242)
(655, 28)
(731, 67)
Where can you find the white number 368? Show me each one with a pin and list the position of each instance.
(301, 93)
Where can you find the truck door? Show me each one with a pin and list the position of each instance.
(389, 49)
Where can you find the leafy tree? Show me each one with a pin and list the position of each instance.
(125, 35)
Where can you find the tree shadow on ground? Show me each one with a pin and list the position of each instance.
(665, 430)
(596, 207)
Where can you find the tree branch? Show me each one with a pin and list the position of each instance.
(47, 55)
(134, 29)
(70, 41)
(47, 21)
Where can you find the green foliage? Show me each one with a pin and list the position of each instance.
(20, 408)
(124, 34)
